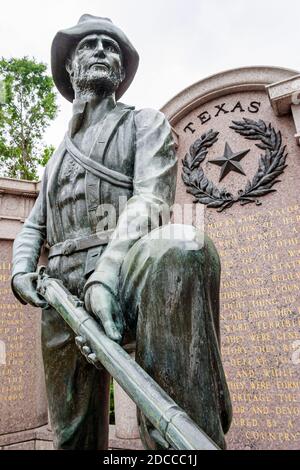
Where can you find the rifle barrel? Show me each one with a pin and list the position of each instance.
(176, 427)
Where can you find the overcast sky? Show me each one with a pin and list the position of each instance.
(179, 41)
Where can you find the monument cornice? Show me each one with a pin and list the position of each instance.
(221, 84)
(19, 187)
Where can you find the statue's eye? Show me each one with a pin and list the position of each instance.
(84, 46)
(111, 48)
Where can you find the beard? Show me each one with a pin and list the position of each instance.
(97, 81)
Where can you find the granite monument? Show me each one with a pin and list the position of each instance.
(239, 160)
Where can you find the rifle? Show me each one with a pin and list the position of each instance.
(173, 424)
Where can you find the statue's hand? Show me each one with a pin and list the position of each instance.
(104, 305)
(25, 286)
(85, 349)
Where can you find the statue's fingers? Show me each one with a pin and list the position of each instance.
(33, 299)
(87, 301)
(104, 313)
(86, 350)
(32, 276)
(79, 341)
(28, 291)
(111, 330)
(92, 358)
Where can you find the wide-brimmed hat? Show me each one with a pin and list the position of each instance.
(67, 39)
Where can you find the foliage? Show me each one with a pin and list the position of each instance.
(27, 107)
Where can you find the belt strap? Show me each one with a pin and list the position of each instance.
(71, 246)
(106, 174)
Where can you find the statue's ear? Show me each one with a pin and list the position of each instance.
(123, 74)
(69, 67)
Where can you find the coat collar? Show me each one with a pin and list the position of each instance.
(81, 109)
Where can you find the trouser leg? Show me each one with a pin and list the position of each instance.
(78, 393)
(170, 289)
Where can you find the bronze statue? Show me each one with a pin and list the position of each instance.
(160, 288)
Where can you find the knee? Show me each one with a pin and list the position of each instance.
(173, 243)
(183, 248)
(184, 238)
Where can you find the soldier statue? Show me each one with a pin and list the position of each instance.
(159, 288)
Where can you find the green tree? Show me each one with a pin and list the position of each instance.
(27, 107)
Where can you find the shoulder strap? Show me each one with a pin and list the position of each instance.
(108, 128)
(111, 176)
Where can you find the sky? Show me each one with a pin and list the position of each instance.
(179, 41)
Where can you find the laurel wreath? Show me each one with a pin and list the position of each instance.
(271, 165)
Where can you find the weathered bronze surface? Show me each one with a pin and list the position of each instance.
(175, 427)
(162, 291)
(230, 161)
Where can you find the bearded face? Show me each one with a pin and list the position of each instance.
(96, 66)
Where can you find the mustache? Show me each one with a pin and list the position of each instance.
(104, 66)
(86, 79)
(98, 62)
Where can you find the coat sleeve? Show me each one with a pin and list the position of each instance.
(155, 171)
(28, 243)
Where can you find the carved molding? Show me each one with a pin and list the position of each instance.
(231, 81)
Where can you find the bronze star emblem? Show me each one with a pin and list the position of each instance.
(230, 161)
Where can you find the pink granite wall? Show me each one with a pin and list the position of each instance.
(23, 403)
(259, 247)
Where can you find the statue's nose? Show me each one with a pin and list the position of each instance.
(99, 51)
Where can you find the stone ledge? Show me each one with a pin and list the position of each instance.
(28, 445)
(281, 94)
(17, 437)
(19, 187)
(41, 439)
(123, 444)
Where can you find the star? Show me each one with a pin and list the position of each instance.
(230, 161)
